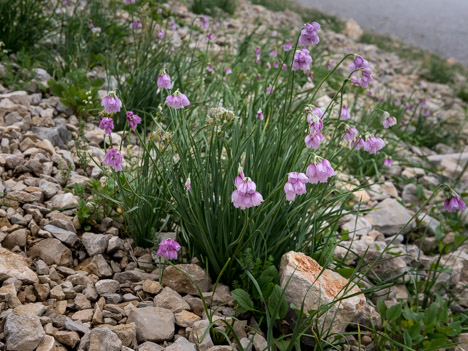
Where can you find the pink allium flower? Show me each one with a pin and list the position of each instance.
(284, 67)
(227, 70)
(113, 158)
(96, 30)
(136, 25)
(111, 103)
(397, 103)
(160, 34)
(302, 60)
(361, 64)
(344, 113)
(258, 51)
(204, 22)
(426, 112)
(388, 162)
(246, 194)
(359, 142)
(209, 68)
(90, 24)
(268, 65)
(273, 53)
(276, 64)
(309, 34)
(389, 122)
(454, 203)
(178, 100)
(313, 140)
(269, 90)
(287, 46)
(210, 36)
(311, 75)
(164, 81)
(259, 77)
(423, 103)
(296, 185)
(133, 120)
(172, 25)
(129, 1)
(159, 11)
(373, 144)
(314, 118)
(260, 114)
(257, 60)
(107, 124)
(408, 107)
(320, 172)
(188, 184)
(350, 133)
(168, 249)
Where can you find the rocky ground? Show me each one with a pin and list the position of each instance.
(67, 289)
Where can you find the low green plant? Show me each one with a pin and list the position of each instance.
(210, 6)
(77, 91)
(415, 328)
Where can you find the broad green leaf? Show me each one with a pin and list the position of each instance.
(278, 301)
(243, 300)
(393, 313)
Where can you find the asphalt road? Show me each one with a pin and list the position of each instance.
(438, 26)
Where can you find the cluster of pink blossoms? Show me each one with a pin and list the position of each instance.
(309, 37)
(454, 203)
(362, 65)
(112, 104)
(296, 185)
(246, 194)
(168, 249)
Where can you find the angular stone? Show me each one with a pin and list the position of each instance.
(200, 336)
(151, 287)
(52, 251)
(94, 243)
(150, 346)
(64, 200)
(179, 282)
(69, 338)
(181, 344)
(170, 300)
(305, 282)
(103, 339)
(134, 275)
(186, 319)
(23, 332)
(49, 188)
(107, 286)
(126, 333)
(34, 309)
(47, 344)
(357, 226)
(389, 217)
(76, 326)
(96, 265)
(15, 266)
(152, 323)
(58, 136)
(65, 236)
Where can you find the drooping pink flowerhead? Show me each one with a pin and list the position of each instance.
(246, 194)
(96, 30)
(273, 53)
(111, 103)
(172, 25)
(129, 1)
(287, 46)
(296, 185)
(204, 22)
(454, 204)
(269, 90)
(309, 34)
(136, 25)
(133, 120)
(268, 65)
(373, 144)
(260, 114)
(258, 51)
(284, 67)
(178, 100)
(107, 124)
(227, 70)
(426, 112)
(362, 65)
(210, 36)
(314, 118)
(164, 81)
(350, 133)
(188, 184)
(168, 249)
(90, 24)
(302, 60)
(320, 172)
(357, 144)
(344, 113)
(388, 162)
(276, 64)
(209, 68)
(389, 122)
(313, 140)
(113, 158)
(160, 34)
